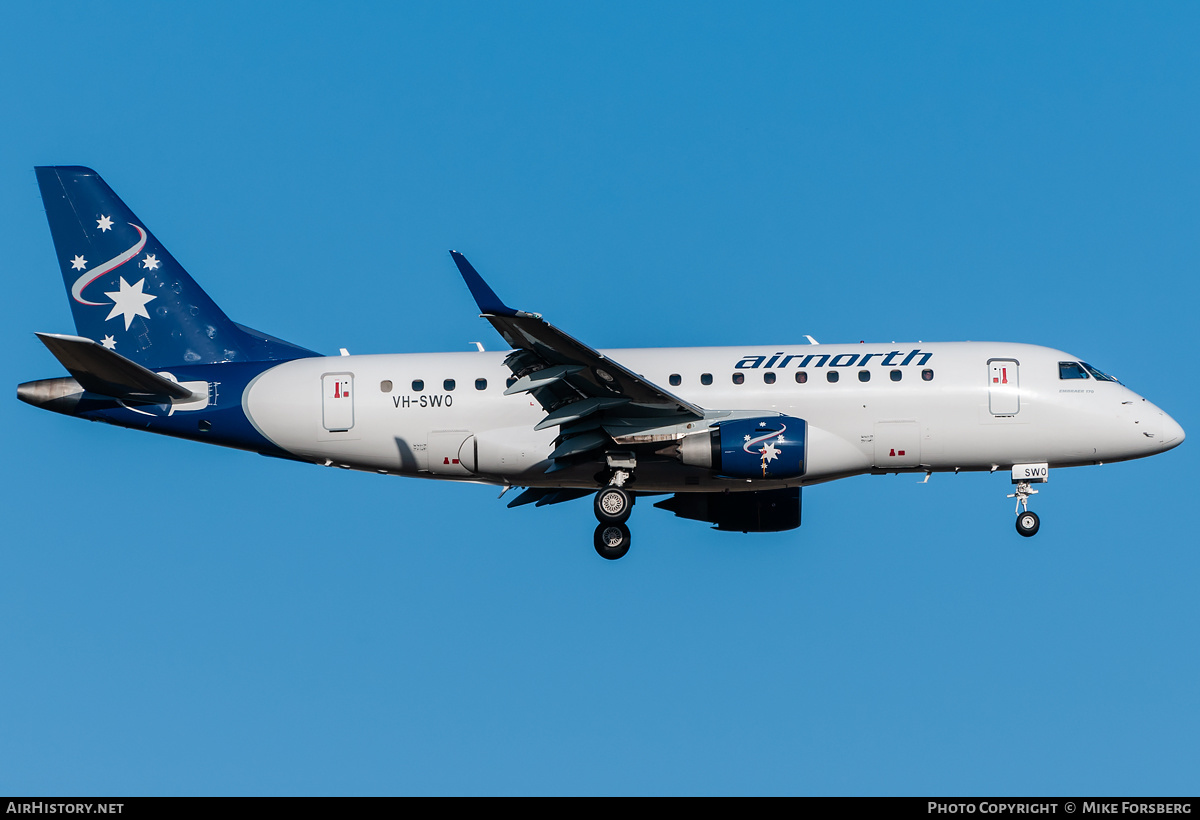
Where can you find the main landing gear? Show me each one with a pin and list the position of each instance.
(611, 541)
(1024, 475)
(613, 506)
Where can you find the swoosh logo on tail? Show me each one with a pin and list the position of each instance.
(111, 265)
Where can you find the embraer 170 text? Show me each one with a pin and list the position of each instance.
(727, 435)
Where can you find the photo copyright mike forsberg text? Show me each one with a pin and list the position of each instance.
(1088, 807)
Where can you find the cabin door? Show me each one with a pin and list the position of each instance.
(1004, 389)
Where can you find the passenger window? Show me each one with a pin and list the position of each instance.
(675, 380)
(864, 375)
(448, 385)
(510, 381)
(385, 386)
(832, 376)
(418, 385)
(801, 377)
(706, 378)
(1071, 370)
(769, 377)
(927, 374)
(738, 378)
(481, 384)
(897, 375)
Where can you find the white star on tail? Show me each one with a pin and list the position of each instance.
(109, 342)
(78, 263)
(150, 263)
(104, 223)
(129, 301)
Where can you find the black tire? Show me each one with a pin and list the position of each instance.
(1028, 524)
(613, 505)
(612, 541)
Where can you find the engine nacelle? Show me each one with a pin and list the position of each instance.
(758, 447)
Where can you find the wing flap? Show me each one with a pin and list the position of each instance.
(577, 410)
(577, 445)
(542, 378)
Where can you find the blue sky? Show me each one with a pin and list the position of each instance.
(177, 619)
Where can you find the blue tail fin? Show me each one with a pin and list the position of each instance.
(126, 290)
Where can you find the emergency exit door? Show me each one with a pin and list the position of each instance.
(1004, 389)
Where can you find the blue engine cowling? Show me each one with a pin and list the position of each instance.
(759, 447)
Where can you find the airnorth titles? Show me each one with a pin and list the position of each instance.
(782, 360)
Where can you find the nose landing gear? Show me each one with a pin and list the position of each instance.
(1023, 475)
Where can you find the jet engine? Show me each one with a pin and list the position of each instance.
(757, 447)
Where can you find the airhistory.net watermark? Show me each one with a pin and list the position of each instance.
(41, 807)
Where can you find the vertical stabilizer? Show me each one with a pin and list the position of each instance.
(125, 289)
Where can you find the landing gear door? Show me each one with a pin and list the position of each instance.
(337, 401)
(1004, 390)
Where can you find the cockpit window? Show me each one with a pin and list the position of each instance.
(1071, 370)
(1097, 375)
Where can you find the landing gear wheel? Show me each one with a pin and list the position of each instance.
(1028, 523)
(612, 541)
(613, 505)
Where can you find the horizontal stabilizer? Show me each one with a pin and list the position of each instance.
(108, 373)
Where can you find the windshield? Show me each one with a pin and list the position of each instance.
(1071, 370)
(1097, 375)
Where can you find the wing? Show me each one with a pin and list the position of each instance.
(591, 398)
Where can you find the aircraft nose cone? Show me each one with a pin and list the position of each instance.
(1172, 433)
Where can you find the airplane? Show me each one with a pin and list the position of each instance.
(729, 435)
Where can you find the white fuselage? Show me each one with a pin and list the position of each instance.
(955, 406)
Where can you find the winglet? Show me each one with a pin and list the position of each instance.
(485, 297)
